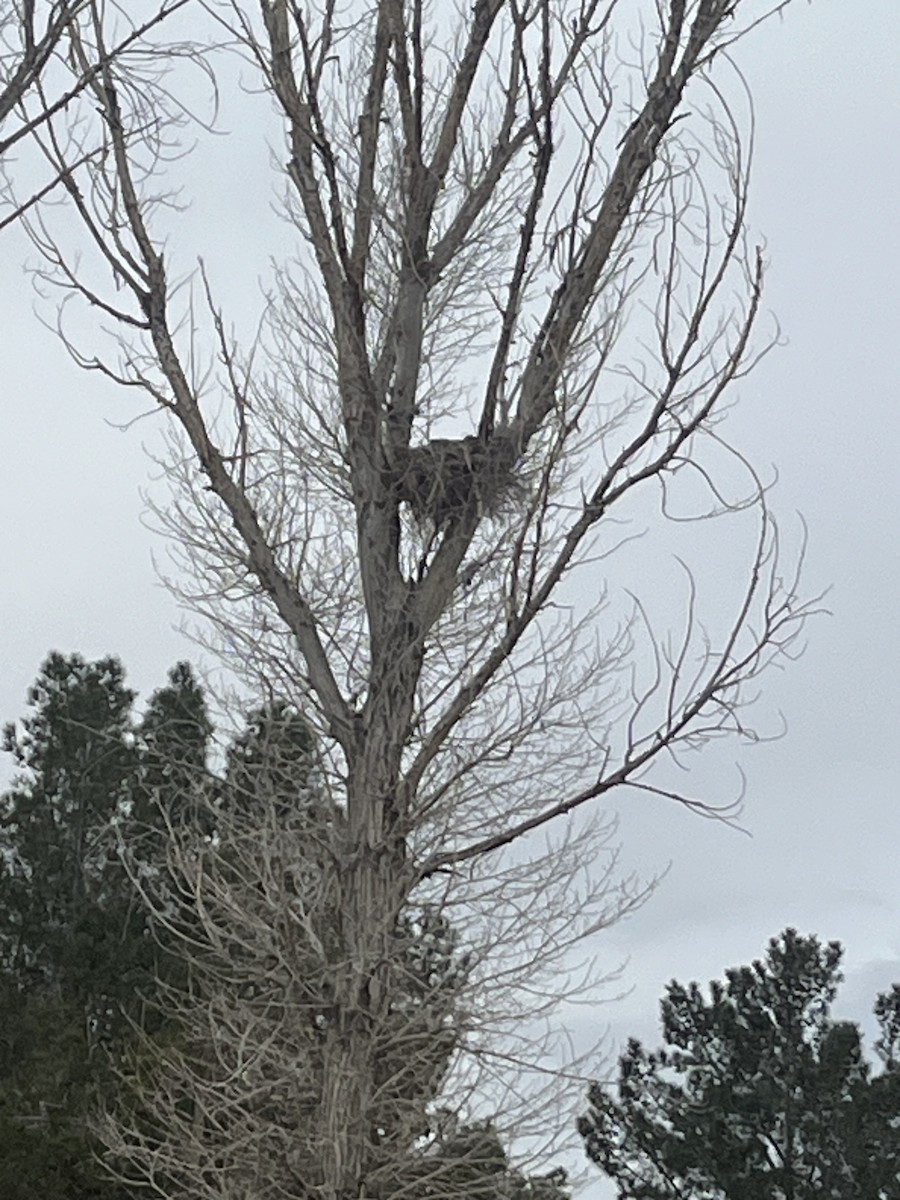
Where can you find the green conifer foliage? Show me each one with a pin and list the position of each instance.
(77, 959)
(756, 1094)
(75, 765)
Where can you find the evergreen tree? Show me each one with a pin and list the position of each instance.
(173, 740)
(757, 1094)
(273, 757)
(76, 957)
(75, 761)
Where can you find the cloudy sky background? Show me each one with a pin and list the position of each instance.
(821, 818)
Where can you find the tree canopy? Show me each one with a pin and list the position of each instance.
(78, 961)
(756, 1093)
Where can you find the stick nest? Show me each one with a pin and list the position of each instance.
(450, 477)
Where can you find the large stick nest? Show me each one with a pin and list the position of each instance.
(450, 477)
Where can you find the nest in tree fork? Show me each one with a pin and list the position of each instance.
(449, 477)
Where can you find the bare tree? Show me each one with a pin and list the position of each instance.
(509, 313)
(225, 1100)
(35, 85)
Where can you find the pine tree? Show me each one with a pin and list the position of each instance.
(173, 741)
(77, 962)
(757, 1094)
(75, 762)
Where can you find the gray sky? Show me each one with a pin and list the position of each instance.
(821, 811)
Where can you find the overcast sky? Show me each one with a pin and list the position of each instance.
(821, 817)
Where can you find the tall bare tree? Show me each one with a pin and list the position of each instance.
(507, 312)
(225, 1101)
